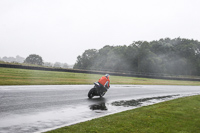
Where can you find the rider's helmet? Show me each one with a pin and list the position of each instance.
(107, 75)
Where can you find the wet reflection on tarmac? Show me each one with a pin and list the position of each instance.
(100, 106)
(127, 103)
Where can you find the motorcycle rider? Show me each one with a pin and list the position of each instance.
(104, 82)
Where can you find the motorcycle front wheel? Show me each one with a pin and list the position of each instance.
(91, 93)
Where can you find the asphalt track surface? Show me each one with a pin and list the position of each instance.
(46, 107)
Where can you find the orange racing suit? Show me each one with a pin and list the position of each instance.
(103, 81)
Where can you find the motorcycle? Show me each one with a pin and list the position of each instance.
(97, 90)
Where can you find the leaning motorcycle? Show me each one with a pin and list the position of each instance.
(97, 90)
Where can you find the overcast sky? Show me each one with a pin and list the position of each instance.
(60, 30)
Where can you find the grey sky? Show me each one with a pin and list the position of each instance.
(60, 30)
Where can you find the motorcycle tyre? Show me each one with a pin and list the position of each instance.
(101, 95)
(91, 93)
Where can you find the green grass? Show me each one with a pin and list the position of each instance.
(11, 76)
(175, 116)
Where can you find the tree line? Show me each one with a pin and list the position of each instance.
(177, 56)
(17, 59)
(33, 59)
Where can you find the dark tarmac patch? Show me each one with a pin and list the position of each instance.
(138, 102)
(100, 106)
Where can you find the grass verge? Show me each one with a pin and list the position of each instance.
(12, 76)
(175, 116)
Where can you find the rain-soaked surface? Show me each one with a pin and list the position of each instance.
(42, 108)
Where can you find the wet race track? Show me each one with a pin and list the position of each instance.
(42, 108)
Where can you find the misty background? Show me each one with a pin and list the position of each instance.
(61, 30)
(178, 56)
(19, 59)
